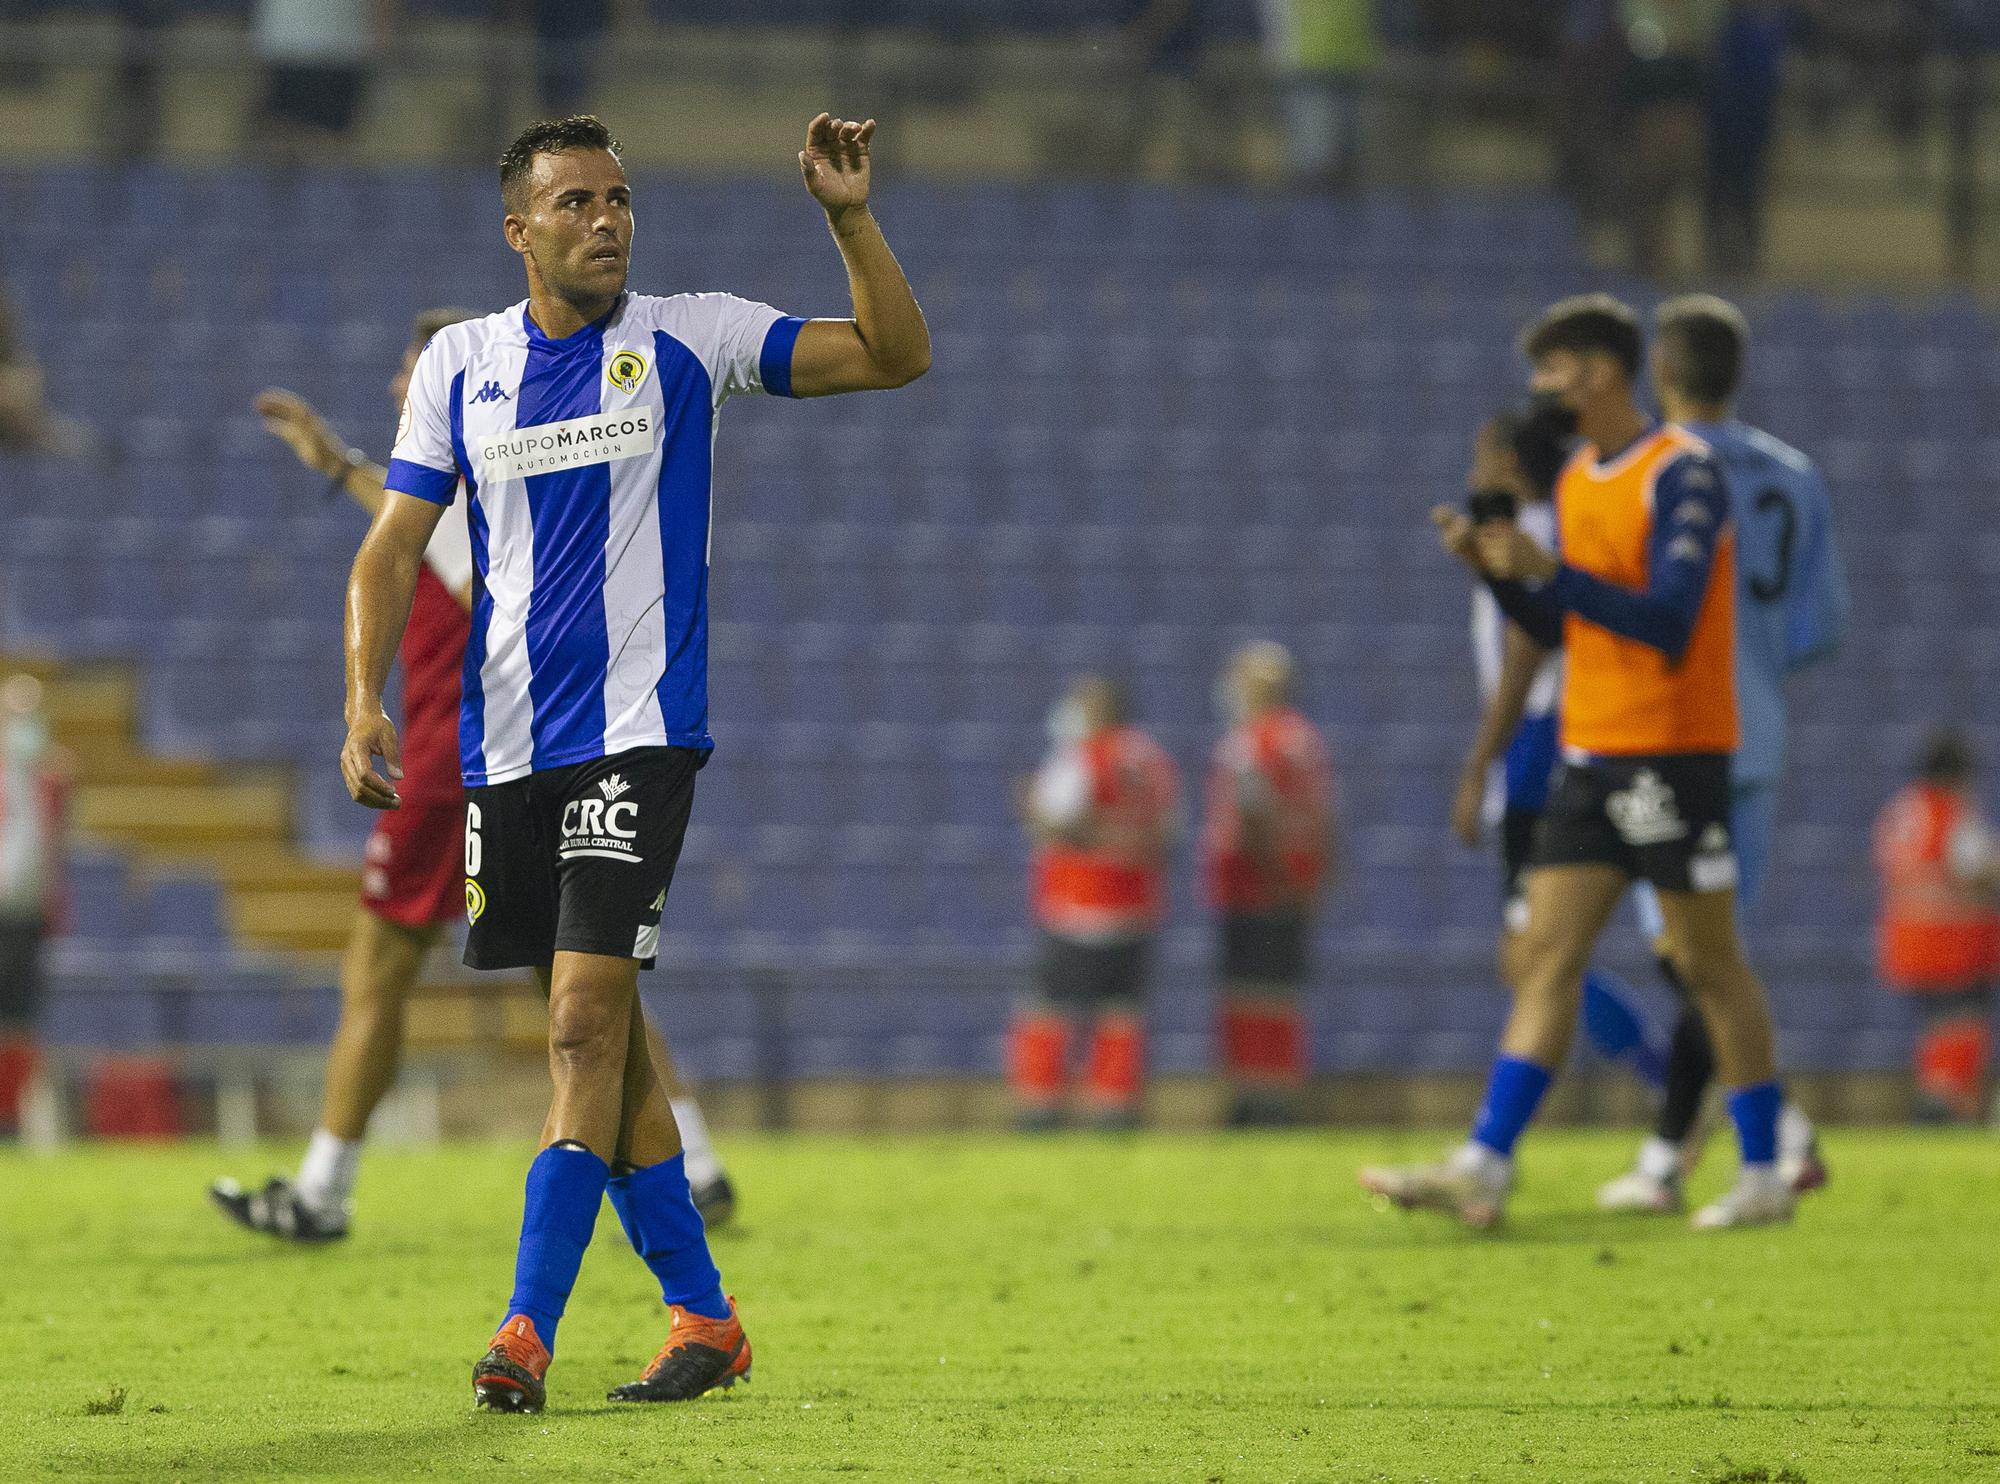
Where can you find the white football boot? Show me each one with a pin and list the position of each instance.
(1759, 1198)
(1472, 1185)
(1651, 1187)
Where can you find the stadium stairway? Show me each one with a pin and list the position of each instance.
(199, 929)
(177, 817)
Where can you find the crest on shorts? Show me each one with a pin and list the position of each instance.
(475, 901)
(626, 371)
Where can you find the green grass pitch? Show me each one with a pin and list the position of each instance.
(1158, 1308)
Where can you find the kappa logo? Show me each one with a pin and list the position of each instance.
(1714, 865)
(1646, 813)
(490, 393)
(613, 786)
(626, 370)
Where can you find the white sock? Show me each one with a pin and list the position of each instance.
(1489, 1165)
(1762, 1178)
(702, 1165)
(1659, 1159)
(1795, 1132)
(326, 1174)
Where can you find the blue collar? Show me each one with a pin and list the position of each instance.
(589, 335)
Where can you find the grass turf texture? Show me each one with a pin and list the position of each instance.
(1200, 1308)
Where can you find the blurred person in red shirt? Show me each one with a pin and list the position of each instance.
(1267, 857)
(1939, 934)
(34, 818)
(1102, 812)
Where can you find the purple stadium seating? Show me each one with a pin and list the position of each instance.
(1160, 423)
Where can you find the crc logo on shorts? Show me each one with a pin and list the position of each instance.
(605, 827)
(626, 370)
(475, 901)
(1645, 813)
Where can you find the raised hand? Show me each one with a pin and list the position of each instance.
(291, 419)
(835, 162)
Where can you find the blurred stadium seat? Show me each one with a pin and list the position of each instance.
(1161, 422)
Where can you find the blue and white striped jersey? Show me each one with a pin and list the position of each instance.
(585, 463)
(1792, 603)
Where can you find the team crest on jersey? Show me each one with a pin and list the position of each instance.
(475, 901)
(626, 371)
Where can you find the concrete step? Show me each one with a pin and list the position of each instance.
(249, 807)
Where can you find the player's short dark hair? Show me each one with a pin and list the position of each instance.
(1585, 324)
(551, 137)
(1946, 757)
(427, 324)
(1707, 340)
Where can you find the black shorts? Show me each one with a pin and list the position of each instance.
(20, 971)
(1265, 948)
(576, 859)
(1517, 849)
(1087, 976)
(1659, 819)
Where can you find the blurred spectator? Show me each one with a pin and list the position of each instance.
(1590, 62)
(1321, 55)
(315, 55)
(1668, 45)
(1940, 931)
(34, 788)
(1742, 122)
(26, 422)
(569, 40)
(132, 111)
(1176, 98)
(1267, 849)
(1101, 812)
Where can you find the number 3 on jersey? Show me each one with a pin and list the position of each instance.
(1772, 589)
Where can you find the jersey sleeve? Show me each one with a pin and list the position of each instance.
(1690, 513)
(1817, 607)
(423, 462)
(746, 346)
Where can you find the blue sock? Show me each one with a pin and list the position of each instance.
(1754, 1111)
(565, 1188)
(1616, 1029)
(666, 1231)
(1512, 1095)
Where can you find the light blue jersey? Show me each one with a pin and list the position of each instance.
(1792, 603)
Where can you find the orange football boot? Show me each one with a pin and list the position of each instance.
(700, 1355)
(509, 1376)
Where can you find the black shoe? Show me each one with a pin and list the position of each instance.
(701, 1354)
(277, 1211)
(716, 1201)
(510, 1375)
